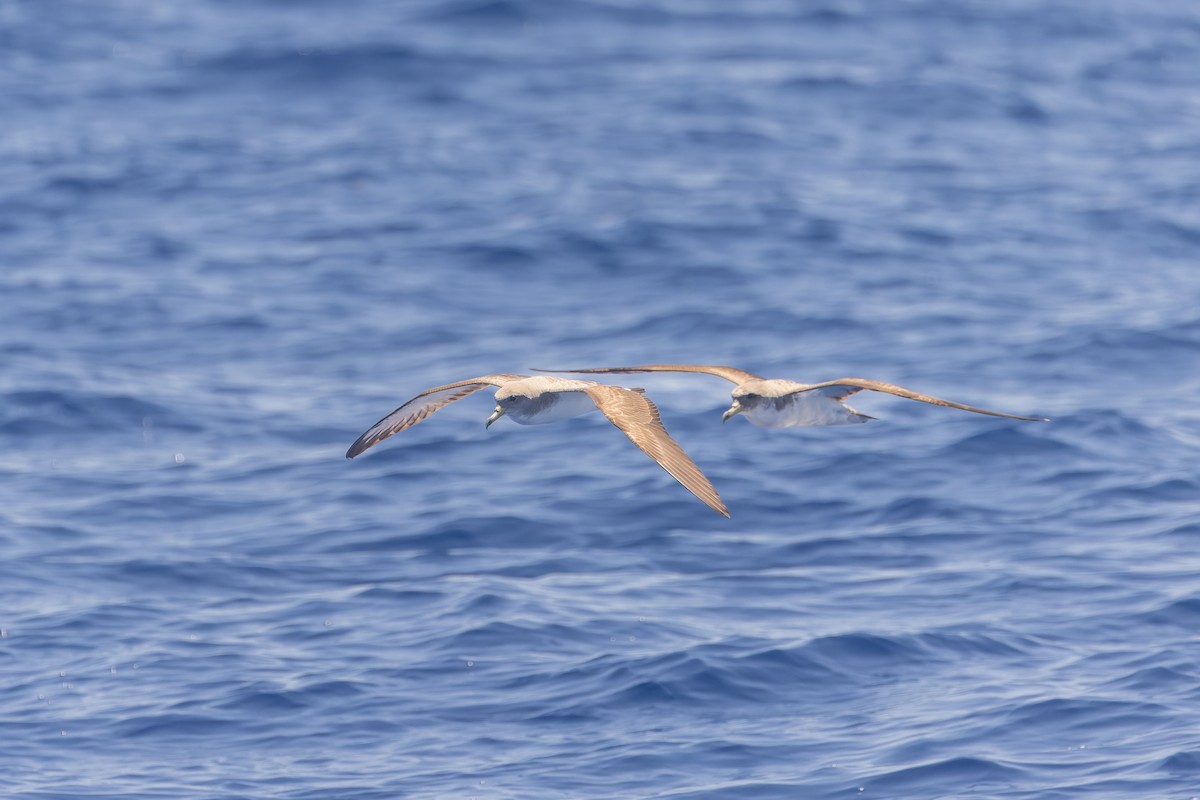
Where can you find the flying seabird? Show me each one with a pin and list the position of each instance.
(540, 399)
(776, 403)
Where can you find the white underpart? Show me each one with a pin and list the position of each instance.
(802, 410)
(561, 405)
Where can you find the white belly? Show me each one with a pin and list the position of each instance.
(803, 410)
(553, 407)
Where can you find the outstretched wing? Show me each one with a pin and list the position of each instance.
(844, 387)
(731, 374)
(638, 418)
(421, 407)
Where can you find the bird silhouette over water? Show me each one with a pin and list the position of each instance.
(541, 399)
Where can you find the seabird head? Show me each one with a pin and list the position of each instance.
(506, 401)
(733, 411)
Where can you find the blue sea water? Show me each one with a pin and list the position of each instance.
(233, 235)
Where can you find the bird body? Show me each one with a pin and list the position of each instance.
(778, 403)
(541, 399)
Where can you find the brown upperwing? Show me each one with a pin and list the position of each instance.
(857, 384)
(731, 374)
(421, 406)
(638, 418)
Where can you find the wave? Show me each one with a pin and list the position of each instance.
(34, 413)
(1076, 716)
(1118, 350)
(1184, 613)
(461, 532)
(767, 321)
(973, 774)
(320, 66)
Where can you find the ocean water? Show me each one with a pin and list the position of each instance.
(233, 235)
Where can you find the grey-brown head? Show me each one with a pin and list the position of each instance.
(507, 401)
(742, 401)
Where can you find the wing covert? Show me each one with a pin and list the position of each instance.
(638, 418)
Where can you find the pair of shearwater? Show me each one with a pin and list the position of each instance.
(540, 399)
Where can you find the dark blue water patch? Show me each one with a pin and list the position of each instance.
(781, 670)
(1010, 442)
(1165, 62)
(955, 775)
(911, 509)
(770, 320)
(1157, 682)
(972, 644)
(868, 654)
(498, 636)
(1107, 424)
(885, 552)
(264, 701)
(714, 16)
(1185, 763)
(676, 680)
(175, 726)
(479, 532)
(388, 595)
(763, 790)
(204, 576)
(1118, 350)
(39, 413)
(1184, 613)
(1174, 490)
(487, 12)
(390, 63)
(544, 567)
(1078, 479)
(65, 625)
(1189, 530)
(1073, 717)
(176, 509)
